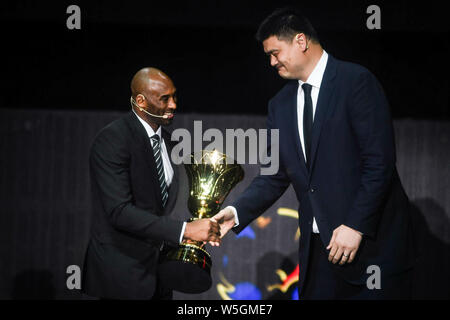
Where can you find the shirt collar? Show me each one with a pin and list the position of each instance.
(315, 78)
(148, 128)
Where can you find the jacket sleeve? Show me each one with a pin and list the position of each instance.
(372, 127)
(264, 190)
(109, 165)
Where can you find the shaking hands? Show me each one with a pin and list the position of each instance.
(203, 230)
(226, 220)
(211, 230)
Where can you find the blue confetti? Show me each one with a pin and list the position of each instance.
(295, 294)
(247, 232)
(225, 260)
(246, 291)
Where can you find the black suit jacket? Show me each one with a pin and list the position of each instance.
(352, 178)
(129, 222)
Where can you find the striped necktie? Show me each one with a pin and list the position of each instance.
(160, 168)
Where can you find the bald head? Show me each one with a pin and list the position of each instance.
(148, 79)
(153, 97)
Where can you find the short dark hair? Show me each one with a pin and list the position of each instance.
(285, 23)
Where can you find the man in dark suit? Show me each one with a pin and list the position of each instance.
(337, 150)
(134, 188)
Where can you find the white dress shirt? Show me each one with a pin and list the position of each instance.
(168, 170)
(315, 80)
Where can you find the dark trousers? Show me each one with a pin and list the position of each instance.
(162, 293)
(322, 282)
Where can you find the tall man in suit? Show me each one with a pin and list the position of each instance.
(134, 188)
(337, 150)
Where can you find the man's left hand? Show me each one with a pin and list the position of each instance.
(344, 244)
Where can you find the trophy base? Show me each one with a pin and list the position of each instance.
(186, 269)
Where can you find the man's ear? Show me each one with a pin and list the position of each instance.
(300, 39)
(140, 100)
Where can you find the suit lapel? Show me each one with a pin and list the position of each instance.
(145, 149)
(323, 107)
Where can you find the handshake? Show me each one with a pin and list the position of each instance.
(211, 229)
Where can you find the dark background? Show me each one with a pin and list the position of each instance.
(59, 87)
(209, 50)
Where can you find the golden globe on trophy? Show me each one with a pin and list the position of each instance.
(211, 176)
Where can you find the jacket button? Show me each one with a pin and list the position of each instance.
(312, 190)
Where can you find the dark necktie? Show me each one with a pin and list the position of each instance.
(160, 168)
(307, 120)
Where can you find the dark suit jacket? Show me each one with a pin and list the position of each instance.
(352, 179)
(129, 222)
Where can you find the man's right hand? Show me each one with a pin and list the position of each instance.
(203, 230)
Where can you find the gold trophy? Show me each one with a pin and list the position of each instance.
(211, 176)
